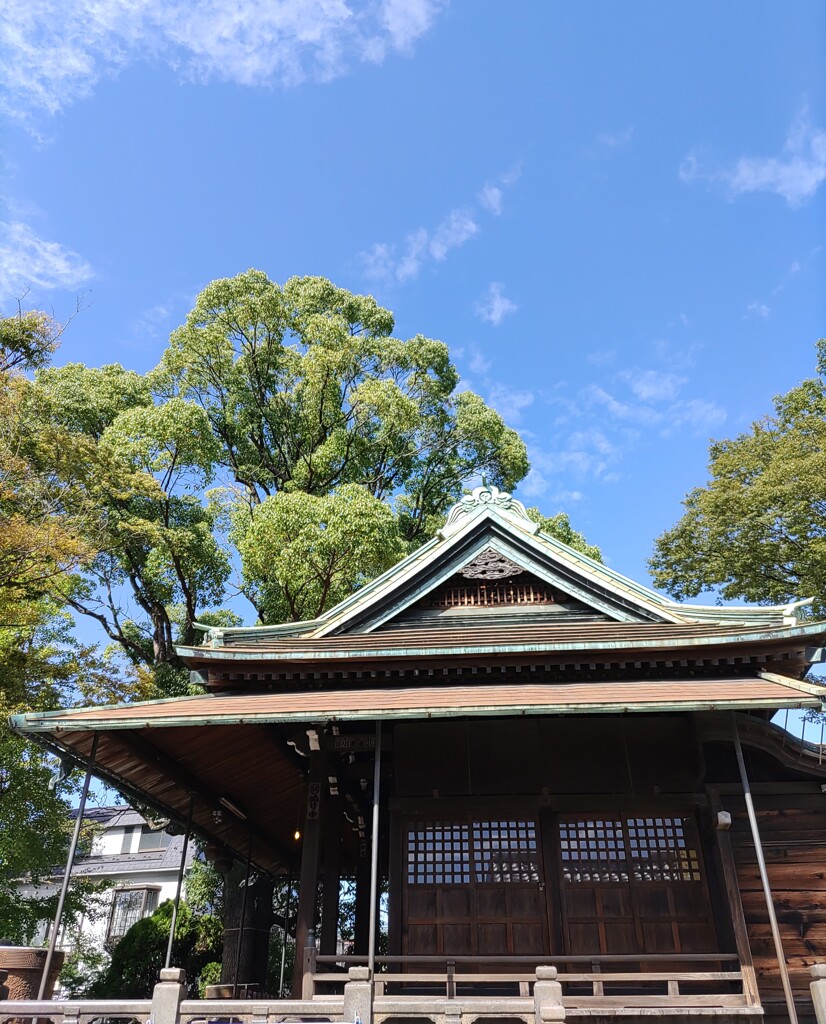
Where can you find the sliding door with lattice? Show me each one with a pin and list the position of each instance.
(474, 885)
(633, 885)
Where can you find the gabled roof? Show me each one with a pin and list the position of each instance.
(489, 523)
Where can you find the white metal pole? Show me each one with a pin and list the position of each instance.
(764, 876)
(181, 868)
(70, 860)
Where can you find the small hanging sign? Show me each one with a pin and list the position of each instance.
(313, 800)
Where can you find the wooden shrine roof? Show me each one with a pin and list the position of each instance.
(764, 691)
(496, 640)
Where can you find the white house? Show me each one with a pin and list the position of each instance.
(140, 861)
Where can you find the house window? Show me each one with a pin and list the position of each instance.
(481, 850)
(129, 906)
(153, 839)
(629, 849)
(126, 841)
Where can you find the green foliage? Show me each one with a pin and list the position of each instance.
(204, 888)
(757, 530)
(210, 975)
(559, 527)
(301, 554)
(305, 389)
(153, 534)
(41, 667)
(27, 341)
(83, 967)
(140, 954)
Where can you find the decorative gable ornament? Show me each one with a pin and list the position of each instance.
(490, 565)
(486, 496)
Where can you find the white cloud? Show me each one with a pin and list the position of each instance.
(653, 385)
(758, 309)
(795, 175)
(495, 305)
(53, 52)
(478, 363)
(453, 232)
(699, 414)
(386, 262)
(406, 21)
(26, 260)
(509, 402)
(627, 411)
(490, 198)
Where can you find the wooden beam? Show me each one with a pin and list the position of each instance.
(332, 874)
(190, 783)
(732, 887)
(308, 884)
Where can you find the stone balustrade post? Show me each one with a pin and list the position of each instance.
(547, 996)
(308, 968)
(358, 996)
(168, 995)
(818, 989)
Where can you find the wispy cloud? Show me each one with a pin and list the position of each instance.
(28, 261)
(597, 426)
(796, 174)
(494, 306)
(387, 262)
(509, 402)
(479, 364)
(53, 52)
(758, 309)
(616, 140)
(653, 385)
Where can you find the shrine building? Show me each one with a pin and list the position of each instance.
(542, 763)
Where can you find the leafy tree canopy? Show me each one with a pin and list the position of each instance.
(302, 553)
(559, 526)
(757, 529)
(306, 389)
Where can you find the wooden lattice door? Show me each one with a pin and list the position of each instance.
(474, 885)
(633, 885)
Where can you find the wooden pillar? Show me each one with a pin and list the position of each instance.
(332, 875)
(738, 918)
(308, 883)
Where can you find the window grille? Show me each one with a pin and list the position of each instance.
(505, 851)
(483, 851)
(629, 849)
(128, 907)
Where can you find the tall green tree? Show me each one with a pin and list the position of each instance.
(757, 529)
(153, 534)
(306, 389)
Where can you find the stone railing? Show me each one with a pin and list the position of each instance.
(363, 1001)
(818, 989)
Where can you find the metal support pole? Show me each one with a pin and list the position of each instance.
(181, 869)
(241, 923)
(70, 860)
(284, 932)
(374, 861)
(764, 877)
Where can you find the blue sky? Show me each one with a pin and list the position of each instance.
(612, 213)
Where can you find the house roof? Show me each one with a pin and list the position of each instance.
(764, 691)
(491, 523)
